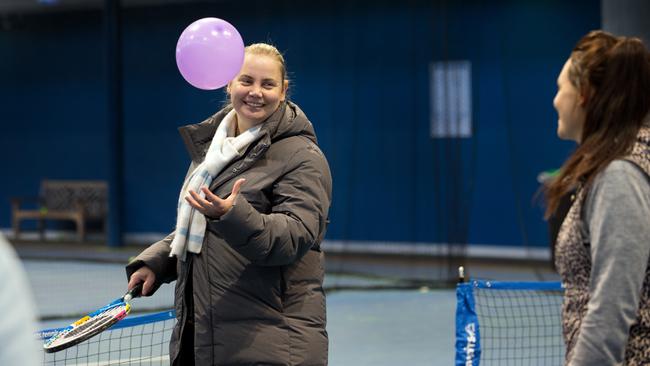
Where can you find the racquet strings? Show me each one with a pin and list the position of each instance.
(88, 326)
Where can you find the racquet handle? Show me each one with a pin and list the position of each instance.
(136, 291)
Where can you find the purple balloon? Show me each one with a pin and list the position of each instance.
(209, 53)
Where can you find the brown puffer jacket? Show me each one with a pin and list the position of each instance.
(258, 282)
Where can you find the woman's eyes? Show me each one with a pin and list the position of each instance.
(265, 84)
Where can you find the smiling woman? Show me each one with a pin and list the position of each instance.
(602, 252)
(260, 86)
(252, 213)
(569, 105)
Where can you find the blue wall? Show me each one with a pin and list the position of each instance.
(359, 70)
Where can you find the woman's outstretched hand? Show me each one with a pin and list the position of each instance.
(212, 205)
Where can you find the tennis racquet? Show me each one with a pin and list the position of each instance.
(93, 323)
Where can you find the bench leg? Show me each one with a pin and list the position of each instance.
(41, 228)
(81, 229)
(16, 226)
(105, 229)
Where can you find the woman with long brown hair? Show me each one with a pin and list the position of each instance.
(603, 248)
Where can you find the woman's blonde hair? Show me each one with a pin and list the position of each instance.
(266, 49)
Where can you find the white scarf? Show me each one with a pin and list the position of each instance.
(190, 224)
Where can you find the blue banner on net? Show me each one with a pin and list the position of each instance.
(468, 345)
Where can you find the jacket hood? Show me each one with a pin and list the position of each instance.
(288, 120)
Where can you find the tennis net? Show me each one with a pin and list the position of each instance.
(509, 323)
(142, 340)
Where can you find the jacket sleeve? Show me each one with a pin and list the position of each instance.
(616, 213)
(157, 258)
(297, 222)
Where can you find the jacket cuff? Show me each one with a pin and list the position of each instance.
(156, 257)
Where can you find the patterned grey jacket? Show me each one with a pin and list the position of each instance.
(574, 263)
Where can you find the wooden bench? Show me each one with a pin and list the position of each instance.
(76, 200)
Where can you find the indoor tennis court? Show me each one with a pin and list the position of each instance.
(398, 318)
(434, 119)
(379, 327)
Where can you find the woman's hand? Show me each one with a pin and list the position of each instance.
(145, 275)
(212, 205)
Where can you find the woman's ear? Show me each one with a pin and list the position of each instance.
(583, 97)
(285, 87)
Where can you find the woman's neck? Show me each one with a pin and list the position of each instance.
(242, 125)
